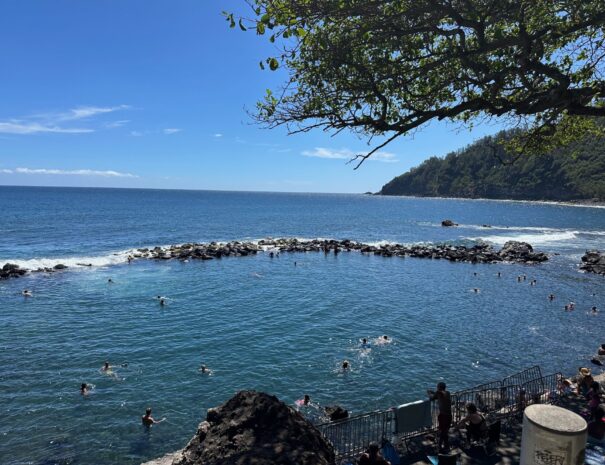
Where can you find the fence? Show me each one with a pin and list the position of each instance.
(498, 400)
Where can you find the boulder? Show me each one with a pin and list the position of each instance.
(60, 266)
(254, 428)
(593, 261)
(336, 413)
(448, 223)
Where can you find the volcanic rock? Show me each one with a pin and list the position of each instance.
(254, 428)
(593, 261)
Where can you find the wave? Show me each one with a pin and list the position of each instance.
(79, 262)
(533, 239)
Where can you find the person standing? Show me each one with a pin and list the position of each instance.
(444, 400)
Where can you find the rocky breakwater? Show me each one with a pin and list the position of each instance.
(593, 261)
(253, 428)
(512, 251)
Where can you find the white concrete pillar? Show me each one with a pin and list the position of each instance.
(552, 436)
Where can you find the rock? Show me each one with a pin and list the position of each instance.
(60, 266)
(254, 428)
(593, 261)
(448, 223)
(336, 413)
(10, 267)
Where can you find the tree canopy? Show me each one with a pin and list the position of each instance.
(387, 67)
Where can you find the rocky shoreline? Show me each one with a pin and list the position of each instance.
(512, 251)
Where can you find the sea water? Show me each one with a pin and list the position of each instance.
(263, 323)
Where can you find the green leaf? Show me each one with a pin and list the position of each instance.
(260, 29)
(241, 25)
(273, 64)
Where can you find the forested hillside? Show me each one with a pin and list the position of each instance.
(485, 170)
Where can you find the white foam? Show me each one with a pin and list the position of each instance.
(533, 239)
(80, 262)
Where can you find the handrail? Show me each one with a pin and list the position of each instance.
(496, 400)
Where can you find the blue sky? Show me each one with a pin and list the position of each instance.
(150, 93)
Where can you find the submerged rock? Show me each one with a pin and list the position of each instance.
(448, 223)
(254, 428)
(593, 261)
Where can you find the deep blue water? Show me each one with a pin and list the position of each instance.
(260, 323)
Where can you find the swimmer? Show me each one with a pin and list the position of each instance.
(106, 367)
(551, 297)
(475, 273)
(306, 399)
(84, 389)
(162, 302)
(364, 342)
(594, 310)
(148, 420)
(499, 274)
(518, 279)
(26, 293)
(601, 350)
(294, 263)
(129, 258)
(476, 290)
(345, 365)
(110, 281)
(204, 370)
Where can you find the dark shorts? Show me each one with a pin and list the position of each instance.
(445, 421)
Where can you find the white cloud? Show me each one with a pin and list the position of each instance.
(172, 130)
(217, 135)
(54, 122)
(20, 127)
(136, 133)
(85, 172)
(117, 124)
(88, 111)
(346, 154)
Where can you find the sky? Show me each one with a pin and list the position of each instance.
(158, 94)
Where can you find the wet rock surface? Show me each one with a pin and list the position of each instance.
(593, 261)
(517, 252)
(254, 428)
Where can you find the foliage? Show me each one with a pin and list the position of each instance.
(387, 67)
(486, 169)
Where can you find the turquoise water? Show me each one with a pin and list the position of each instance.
(260, 323)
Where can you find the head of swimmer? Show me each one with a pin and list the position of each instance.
(345, 364)
(306, 399)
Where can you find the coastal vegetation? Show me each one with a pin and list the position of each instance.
(485, 169)
(386, 68)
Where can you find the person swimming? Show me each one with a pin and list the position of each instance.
(110, 281)
(476, 290)
(364, 342)
(162, 302)
(106, 367)
(551, 297)
(345, 365)
(148, 420)
(594, 310)
(204, 370)
(26, 293)
(498, 274)
(84, 389)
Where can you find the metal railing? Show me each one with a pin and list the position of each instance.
(498, 400)
(351, 436)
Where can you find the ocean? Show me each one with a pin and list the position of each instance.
(262, 323)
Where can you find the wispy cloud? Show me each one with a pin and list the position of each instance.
(346, 154)
(24, 127)
(84, 172)
(58, 122)
(117, 124)
(136, 133)
(88, 112)
(169, 131)
(218, 135)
